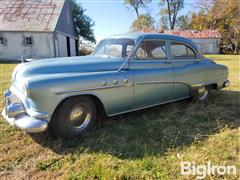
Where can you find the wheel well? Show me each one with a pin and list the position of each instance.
(99, 105)
(213, 86)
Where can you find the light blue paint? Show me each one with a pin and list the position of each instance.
(43, 84)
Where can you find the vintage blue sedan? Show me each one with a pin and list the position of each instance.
(124, 73)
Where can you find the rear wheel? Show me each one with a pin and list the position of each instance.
(75, 117)
(203, 93)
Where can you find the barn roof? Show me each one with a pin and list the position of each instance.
(30, 15)
(194, 34)
(191, 34)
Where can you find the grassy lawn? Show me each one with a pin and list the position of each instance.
(147, 144)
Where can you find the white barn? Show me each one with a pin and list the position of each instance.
(37, 29)
(208, 41)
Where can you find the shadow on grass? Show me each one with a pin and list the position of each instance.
(10, 62)
(153, 131)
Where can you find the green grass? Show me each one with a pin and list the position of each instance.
(147, 144)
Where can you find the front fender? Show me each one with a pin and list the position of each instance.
(48, 93)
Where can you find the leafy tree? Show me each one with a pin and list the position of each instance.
(183, 22)
(200, 21)
(223, 16)
(142, 22)
(136, 4)
(83, 23)
(163, 22)
(171, 8)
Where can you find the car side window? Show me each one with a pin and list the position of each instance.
(141, 52)
(151, 50)
(114, 50)
(181, 51)
(129, 49)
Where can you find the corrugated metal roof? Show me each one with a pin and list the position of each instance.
(191, 34)
(194, 34)
(29, 15)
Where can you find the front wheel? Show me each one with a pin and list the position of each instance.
(75, 117)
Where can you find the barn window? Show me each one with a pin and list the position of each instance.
(3, 41)
(28, 41)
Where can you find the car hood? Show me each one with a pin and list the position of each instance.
(70, 65)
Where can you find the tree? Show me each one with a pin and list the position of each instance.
(172, 7)
(85, 47)
(136, 4)
(200, 21)
(163, 22)
(183, 22)
(142, 22)
(223, 16)
(82, 22)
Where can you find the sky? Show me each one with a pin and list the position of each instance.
(113, 17)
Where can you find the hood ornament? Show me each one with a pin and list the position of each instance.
(25, 60)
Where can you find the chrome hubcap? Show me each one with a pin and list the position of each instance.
(202, 93)
(80, 116)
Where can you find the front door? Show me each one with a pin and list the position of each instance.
(153, 74)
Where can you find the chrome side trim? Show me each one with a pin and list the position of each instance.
(121, 85)
(93, 89)
(159, 82)
(185, 60)
(148, 106)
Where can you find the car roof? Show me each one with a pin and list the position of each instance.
(138, 35)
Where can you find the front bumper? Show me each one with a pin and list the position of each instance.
(16, 115)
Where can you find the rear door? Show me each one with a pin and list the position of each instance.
(187, 69)
(153, 74)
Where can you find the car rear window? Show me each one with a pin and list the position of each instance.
(181, 51)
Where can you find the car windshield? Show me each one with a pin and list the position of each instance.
(114, 47)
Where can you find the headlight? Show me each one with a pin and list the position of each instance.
(26, 90)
